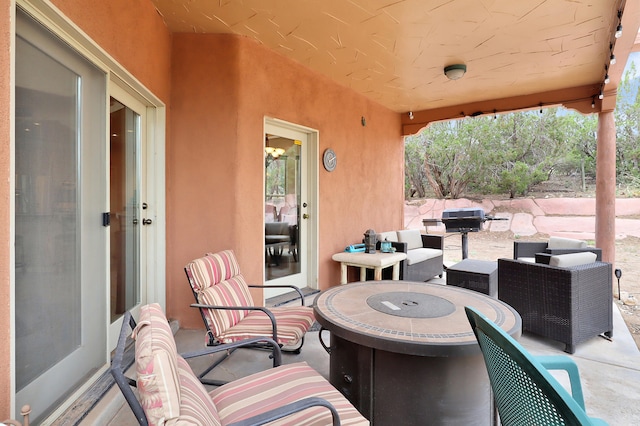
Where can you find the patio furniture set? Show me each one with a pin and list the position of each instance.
(423, 339)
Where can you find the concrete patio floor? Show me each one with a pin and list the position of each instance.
(609, 370)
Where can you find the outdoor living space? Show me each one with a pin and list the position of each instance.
(139, 136)
(609, 370)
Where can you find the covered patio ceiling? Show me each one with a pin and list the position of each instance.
(519, 54)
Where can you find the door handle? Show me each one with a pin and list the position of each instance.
(147, 221)
(305, 216)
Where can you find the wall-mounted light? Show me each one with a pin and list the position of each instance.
(455, 71)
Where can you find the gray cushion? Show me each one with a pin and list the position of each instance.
(411, 237)
(565, 243)
(421, 254)
(572, 259)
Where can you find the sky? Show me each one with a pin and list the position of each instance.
(634, 57)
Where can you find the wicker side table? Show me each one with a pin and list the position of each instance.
(477, 275)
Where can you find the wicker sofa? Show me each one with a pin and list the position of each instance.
(568, 304)
(425, 255)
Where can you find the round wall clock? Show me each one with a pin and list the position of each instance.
(329, 160)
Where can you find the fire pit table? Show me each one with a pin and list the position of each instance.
(404, 353)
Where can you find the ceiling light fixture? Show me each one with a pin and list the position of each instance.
(271, 151)
(455, 71)
(601, 95)
(606, 79)
(410, 115)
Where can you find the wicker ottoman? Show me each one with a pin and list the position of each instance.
(478, 275)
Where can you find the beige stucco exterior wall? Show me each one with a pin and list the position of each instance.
(222, 88)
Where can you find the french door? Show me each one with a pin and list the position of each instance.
(60, 243)
(290, 206)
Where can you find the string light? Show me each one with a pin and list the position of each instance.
(618, 32)
(612, 58)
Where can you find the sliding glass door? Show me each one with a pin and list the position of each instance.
(60, 243)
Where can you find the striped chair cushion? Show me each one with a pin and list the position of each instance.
(216, 280)
(273, 388)
(293, 323)
(196, 406)
(231, 292)
(213, 268)
(156, 366)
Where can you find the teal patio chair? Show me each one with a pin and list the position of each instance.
(525, 392)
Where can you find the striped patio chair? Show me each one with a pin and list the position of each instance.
(229, 312)
(170, 393)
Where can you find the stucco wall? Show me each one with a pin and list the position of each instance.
(132, 32)
(222, 88)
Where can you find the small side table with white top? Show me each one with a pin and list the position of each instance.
(376, 261)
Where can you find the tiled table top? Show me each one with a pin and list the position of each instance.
(410, 317)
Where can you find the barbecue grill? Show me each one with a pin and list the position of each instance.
(465, 220)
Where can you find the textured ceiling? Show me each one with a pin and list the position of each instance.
(394, 51)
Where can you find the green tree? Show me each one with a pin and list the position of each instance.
(627, 117)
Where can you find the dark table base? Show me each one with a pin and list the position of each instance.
(396, 389)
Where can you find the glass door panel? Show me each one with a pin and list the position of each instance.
(124, 208)
(282, 201)
(60, 266)
(287, 219)
(127, 207)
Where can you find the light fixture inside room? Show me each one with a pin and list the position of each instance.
(455, 71)
(274, 152)
(270, 150)
(410, 115)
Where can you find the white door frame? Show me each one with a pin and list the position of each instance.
(311, 187)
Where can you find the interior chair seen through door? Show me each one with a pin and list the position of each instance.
(524, 391)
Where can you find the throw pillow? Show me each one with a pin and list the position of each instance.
(572, 259)
(411, 237)
(565, 243)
